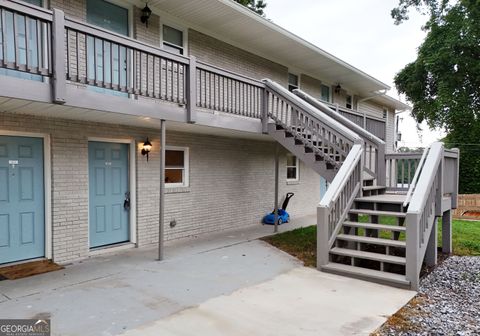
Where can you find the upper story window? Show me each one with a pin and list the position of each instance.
(35, 2)
(176, 167)
(349, 102)
(107, 15)
(292, 167)
(292, 82)
(173, 40)
(325, 93)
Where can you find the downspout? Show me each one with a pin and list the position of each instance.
(368, 98)
(397, 124)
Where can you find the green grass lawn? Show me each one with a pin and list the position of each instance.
(301, 243)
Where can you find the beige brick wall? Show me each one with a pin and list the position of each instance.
(231, 182)
(311, 86)
(141, 32)
(224, 55)
(73, 8)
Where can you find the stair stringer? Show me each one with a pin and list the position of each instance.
(309, 159)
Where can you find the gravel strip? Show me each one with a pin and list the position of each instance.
(448, 302)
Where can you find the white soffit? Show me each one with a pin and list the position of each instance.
(243, 28)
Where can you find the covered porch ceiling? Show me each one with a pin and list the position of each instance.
(48, 110)
(245, 29)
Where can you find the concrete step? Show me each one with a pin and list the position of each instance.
(367, 274)
(377, 212)
(372, 240)
(369, 255)
(376, 226)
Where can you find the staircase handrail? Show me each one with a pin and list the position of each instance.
(374, 151)
(422, 211)
(304, 106)
(337, 201)
(340, 118)
(416, 176)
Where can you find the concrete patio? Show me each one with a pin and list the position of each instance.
(230, 271)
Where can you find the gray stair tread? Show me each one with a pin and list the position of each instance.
(372, 240)
(385, 198)
(366, 273)
(375, 226)
(367, 176)
(374, 187)
(377, 212)
(369, 255)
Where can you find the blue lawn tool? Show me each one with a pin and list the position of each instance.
(283, 216)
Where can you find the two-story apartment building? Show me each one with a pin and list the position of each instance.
(83, 87)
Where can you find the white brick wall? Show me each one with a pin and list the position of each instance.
(224, 55)
(231, 182)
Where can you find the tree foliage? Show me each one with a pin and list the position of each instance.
(443, 83)
(258, 6)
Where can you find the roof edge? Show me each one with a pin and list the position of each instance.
(285, 32)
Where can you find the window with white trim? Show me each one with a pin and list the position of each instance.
(292, 167)
(173, 40)
(325, 93)
(292, 82)
(349, 102)
(176, 166)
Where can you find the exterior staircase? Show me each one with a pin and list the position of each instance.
(376, 221)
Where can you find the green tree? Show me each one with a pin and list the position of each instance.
(443, 83)
(258, 6)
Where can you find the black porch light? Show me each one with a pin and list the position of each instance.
(146, 12)
(338, 88)
(147, 147)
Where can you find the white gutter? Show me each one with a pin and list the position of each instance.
(300, 40)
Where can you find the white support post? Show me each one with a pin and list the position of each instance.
(412, 271)
(192, 91)
(431, 252)
(447, 232)
(59, 83)
(277, 154)
(265, 111)
(323, 247)
(161, 210)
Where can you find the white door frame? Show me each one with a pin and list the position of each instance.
(47, 183)
(132, 184)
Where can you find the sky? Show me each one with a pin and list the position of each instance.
(362, 33)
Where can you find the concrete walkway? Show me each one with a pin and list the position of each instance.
(122, 292)
(302, 301)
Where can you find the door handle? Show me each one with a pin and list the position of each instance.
(126, 202)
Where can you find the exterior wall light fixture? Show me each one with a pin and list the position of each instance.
(338, 88)
(146, 12)
(147, 147)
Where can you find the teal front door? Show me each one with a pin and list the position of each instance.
(109, 193)
(107, 62)
(22, 206)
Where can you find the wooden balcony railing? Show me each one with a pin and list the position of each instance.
(46, 44)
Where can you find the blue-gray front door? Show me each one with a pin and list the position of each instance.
(107, 62)
(108, 175)
(22, 206)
